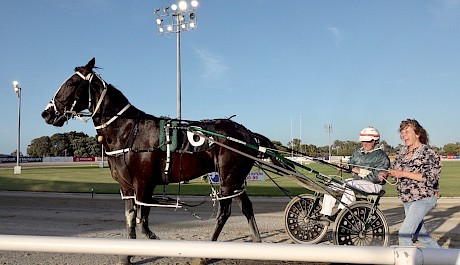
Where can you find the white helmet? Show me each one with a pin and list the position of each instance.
(369, 134)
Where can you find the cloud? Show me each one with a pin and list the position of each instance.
(397, 81)
(443, 75)
(214, 65)
(336, 33)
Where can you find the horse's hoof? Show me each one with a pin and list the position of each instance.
(124, 261)
(200, 262)
(155, 237)
(150, 235)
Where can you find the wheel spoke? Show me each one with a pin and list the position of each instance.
(356, 226)
(300, 227)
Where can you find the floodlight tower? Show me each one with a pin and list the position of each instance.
(175, 19)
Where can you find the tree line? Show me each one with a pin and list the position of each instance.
(346, 148)
(80, 144)
(71, 144)
(337, 148)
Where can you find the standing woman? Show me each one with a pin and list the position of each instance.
(417, 168)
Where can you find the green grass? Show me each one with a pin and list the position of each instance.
(59, 179)
(99, 180)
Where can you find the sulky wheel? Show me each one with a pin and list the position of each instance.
(355, 226)
(300, 227)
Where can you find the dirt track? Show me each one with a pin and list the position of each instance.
(79, 215)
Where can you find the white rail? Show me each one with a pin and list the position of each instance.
(233, 250)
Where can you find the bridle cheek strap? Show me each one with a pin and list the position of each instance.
(89, 78)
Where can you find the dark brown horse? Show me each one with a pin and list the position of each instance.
(140, 153)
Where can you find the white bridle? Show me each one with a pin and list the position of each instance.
(85, 116)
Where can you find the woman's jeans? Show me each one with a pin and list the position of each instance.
(415, 212)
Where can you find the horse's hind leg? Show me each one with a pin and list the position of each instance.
(130, 214)
(143, 219)
(246, 207)
(223, 213)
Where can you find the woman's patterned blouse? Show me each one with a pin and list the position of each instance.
(423, 160)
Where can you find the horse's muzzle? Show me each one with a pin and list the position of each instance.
(50, 118)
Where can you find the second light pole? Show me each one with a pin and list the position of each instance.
(174, 19)
(328, 129)
(17, 90)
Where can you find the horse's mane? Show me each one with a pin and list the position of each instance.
(116, 92)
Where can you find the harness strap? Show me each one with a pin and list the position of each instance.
(102, 126)
(101, 98)
(176, 205)
(167, 168)
(118, 152)
(215, 195)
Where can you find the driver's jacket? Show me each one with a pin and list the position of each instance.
(375, 161)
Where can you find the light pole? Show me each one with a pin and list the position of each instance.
(174, 19)
(101, 165)
(17, 90)
(328, 129)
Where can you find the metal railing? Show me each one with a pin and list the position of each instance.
(233, 250)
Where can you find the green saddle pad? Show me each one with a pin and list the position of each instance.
(173, 135)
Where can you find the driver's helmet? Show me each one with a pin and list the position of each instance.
(368, 134)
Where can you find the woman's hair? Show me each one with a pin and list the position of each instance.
(419, 130)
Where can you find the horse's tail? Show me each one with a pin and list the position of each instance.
(265, 142)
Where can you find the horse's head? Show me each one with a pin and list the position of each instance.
(72, 96)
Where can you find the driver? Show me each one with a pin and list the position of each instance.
(368, 165)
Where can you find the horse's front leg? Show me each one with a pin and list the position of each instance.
(143, 219)
(246, 207)
(130, 214)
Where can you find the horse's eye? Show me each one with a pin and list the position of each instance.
(70, 84)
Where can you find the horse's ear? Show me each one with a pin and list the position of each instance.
(90, 65)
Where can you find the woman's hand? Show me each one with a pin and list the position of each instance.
(383, 175)
(397, 173)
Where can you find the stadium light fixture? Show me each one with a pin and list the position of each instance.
(175, 19)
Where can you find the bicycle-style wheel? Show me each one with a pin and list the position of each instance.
(301, 227)
(356, 226)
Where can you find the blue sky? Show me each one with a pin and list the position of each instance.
(284, 68)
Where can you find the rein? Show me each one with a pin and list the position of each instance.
(340, 167)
